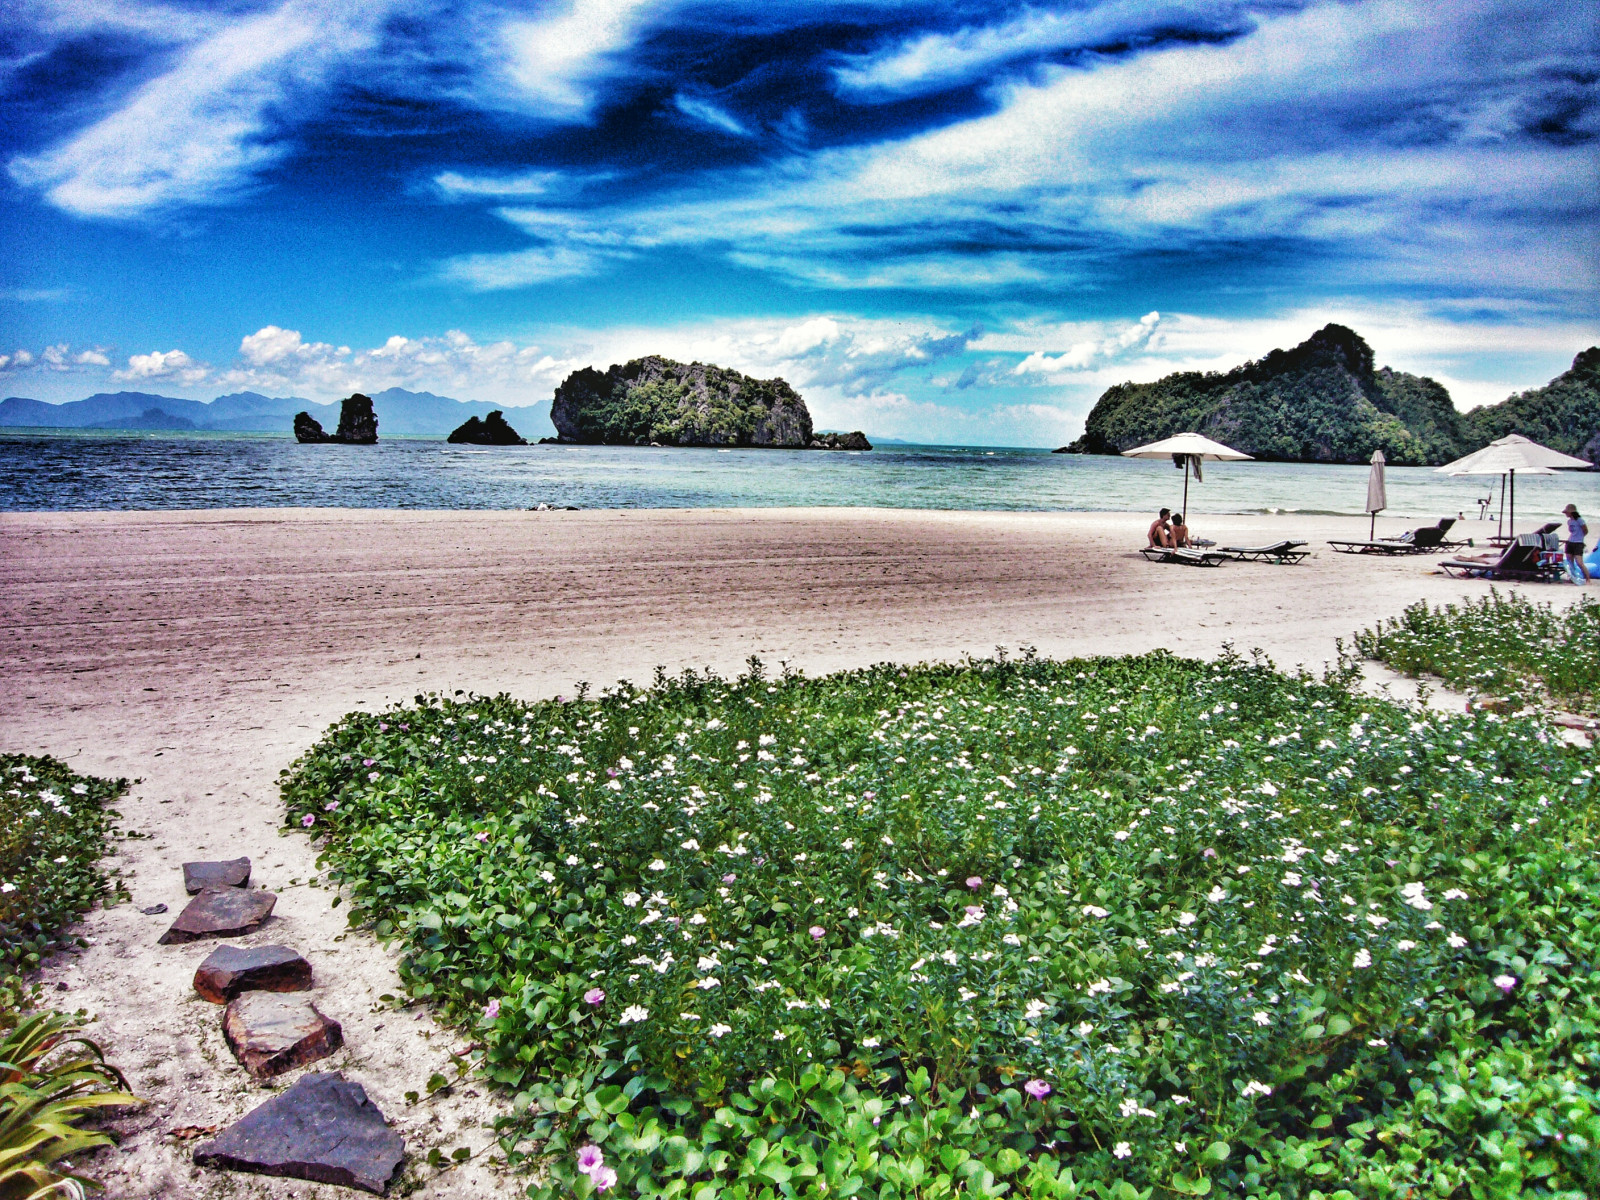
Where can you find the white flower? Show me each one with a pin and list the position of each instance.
(1291, 879)
(1268, 788)
(1405, 944)
(80, 789)
(707, 963)
(1121, 835)
(1455, 941)
(709, 982)
(1255, 1088)
(1455, 894)
(1187, 918)
(698, 919)
(779, 1035)
(1181, 1147)
(1177, 1099)
(1377, 1043)
(633, 1013)
(1362, 960)
(691, 844)
(658, 865)
(719, 1029)
(869, 1043)
(632, 899)
(1216, 895)
(1100, 985)
(8, 888)
(1412, 892)
(1011, 939)
(1128, 1107)
(1090, 910)
(1084, 1029)
(1122, 1150)
(1035, 1010)
(1262, 1018)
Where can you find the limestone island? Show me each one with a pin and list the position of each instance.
(654, 401)
(358, 424)
(493, 430)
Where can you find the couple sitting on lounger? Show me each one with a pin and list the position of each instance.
(1169, 532)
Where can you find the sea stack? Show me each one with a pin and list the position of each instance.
(493, 430)
(358, 424)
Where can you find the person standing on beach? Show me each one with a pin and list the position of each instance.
(1577, 531)
(1160, 531)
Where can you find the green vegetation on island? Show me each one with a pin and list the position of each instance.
(1325, 401)
(1115, 928)
(655, 401)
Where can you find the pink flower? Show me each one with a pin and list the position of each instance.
(591, 1159)
(816, 933)
(975, 882)
(366, 762)
(1505, 983)
(1210, 853)
(308, 820)
(482, 835)
(729, 877)
(1037, 1088)
(383, 727)
(330, 806)
(594, 996)
(491, 1010)
(611, 771)
(604, 1179)
(869, 795)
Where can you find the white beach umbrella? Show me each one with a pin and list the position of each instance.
(1377, 492)
(1188, 450)
(1507, 456)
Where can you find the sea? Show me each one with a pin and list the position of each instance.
(50, 470)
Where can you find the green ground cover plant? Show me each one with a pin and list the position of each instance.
(1501, 646)
(1120, 928)
(53, 828)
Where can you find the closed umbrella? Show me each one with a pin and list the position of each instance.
(1377, 493)
(1508, 455)
(1188, 450)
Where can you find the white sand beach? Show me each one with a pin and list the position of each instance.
(200, 652)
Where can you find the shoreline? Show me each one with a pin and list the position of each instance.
(202, 651)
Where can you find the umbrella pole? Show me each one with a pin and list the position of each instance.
(1372, 530)
(1511, 529)
(1500, 528)
(1186, 488)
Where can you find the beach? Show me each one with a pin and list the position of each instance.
(200, 652)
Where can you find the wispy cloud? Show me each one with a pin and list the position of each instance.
(930, 62)
(707, 113)
(552, 64)
(521, 268)
(202, 129)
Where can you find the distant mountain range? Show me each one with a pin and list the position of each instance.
(400, 413)
(1325, 401)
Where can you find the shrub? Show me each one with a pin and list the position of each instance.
(1110, 927)
(1504, 646)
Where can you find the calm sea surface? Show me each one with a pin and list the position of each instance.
(48, 470)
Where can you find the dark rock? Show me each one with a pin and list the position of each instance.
(155, 910)
(358, 423)
(197, 876)
(230, 970)
(840, 441)
(308, 429)
(323, 1128)
(271, 1033)
(491, 431)
(220, 912)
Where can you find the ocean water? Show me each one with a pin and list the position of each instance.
(74, 470)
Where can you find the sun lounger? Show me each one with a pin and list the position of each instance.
(1520, 561)
(1189, 558)
(1277, 552)
(1377, 546)
(1412, 541)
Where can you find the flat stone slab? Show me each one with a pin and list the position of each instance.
(323, 1128)
(231, 970)
(220, 912)
(271, 1033)
(197, 876)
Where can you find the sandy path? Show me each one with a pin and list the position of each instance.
(201, 652)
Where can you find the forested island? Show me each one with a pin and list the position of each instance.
(1326, 401)
(654, 401)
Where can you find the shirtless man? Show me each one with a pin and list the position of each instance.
(1178, 535)
(1160, 532)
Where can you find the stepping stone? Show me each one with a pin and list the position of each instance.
(230, 970)
(323, 1128)
(197, 876)
(272, 1033)
(219, 912)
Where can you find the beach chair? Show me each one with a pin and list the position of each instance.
(1412, 541)
(1378, 546)
(1427, 537)
(1187, 557)
(1520, 560)
(1277, 552)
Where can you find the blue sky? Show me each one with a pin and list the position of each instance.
(953, 221)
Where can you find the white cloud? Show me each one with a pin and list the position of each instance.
(1083, 355)
(201, 130)
(709, 114)
(521, 268)
(931, 61)
(172, 365)
(17, 360)
(92, 358)
(528, 183)
(556, 60)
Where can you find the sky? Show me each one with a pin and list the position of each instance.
(955, 222)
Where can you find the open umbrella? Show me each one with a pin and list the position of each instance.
(1187, 450)
(1508, 455)
(1377, 493)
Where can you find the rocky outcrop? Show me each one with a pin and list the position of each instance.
(358, 424)
(307, 429)
(654, 400)
(493, 430)
(840, 441)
